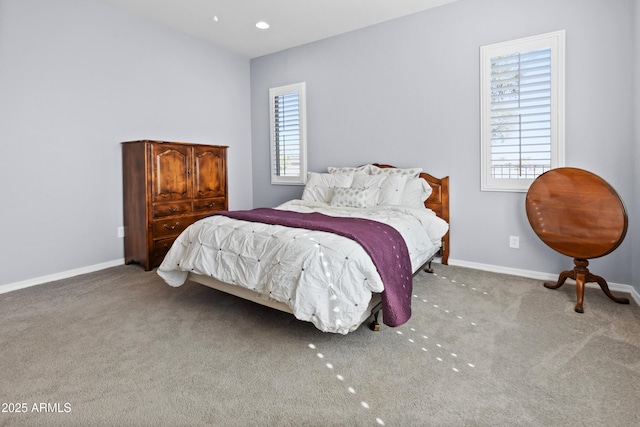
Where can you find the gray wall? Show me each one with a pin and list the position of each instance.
(406, 92)
(77, 77)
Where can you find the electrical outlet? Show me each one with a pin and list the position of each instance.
(514, 242)
(120, 231)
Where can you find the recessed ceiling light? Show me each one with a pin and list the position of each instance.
(215, 18)
(262, 25)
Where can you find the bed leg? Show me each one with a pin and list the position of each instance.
(428, 268)
(375, 326)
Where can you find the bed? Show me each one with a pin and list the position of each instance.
(336, 257)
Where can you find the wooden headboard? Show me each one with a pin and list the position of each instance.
(438, 202)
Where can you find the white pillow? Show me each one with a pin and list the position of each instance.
(411, 172)
(392, 189)
(346, 170)
(320, 186)
(368, 181)
(415, 192)
(352, 197)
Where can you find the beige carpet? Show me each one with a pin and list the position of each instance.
(121, 348)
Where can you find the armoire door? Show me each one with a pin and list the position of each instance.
(171, 169)
(209, 172)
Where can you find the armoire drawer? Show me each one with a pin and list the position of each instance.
(171, 208)
(207, 205)
(171, 226)
(160, 249)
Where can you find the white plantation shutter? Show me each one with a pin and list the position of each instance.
(288, 134)
(522, 110)
(521, 114)
(286, 160)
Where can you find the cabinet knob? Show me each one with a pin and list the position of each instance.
(173, 209)
(211, 204)
(171, 227)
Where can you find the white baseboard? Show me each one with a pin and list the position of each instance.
(617, 287)
(59, 276)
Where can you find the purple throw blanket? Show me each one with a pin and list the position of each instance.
(383, 243)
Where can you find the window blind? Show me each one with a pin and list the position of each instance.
(521, 114)
(286, 135)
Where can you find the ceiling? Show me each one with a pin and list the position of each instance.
(292, 22)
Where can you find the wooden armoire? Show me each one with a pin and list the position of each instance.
(168, 186)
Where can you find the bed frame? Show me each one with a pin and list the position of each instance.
(438, 202)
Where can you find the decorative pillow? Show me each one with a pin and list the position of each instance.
(345, 170)
(352, 197)
(415, 192)
(365, 191)
(320, 186)
(411, 172)
(391, 190)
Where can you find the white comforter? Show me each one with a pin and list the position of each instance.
(324, 278)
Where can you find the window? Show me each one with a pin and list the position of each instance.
(288, 134)
(522, 110)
